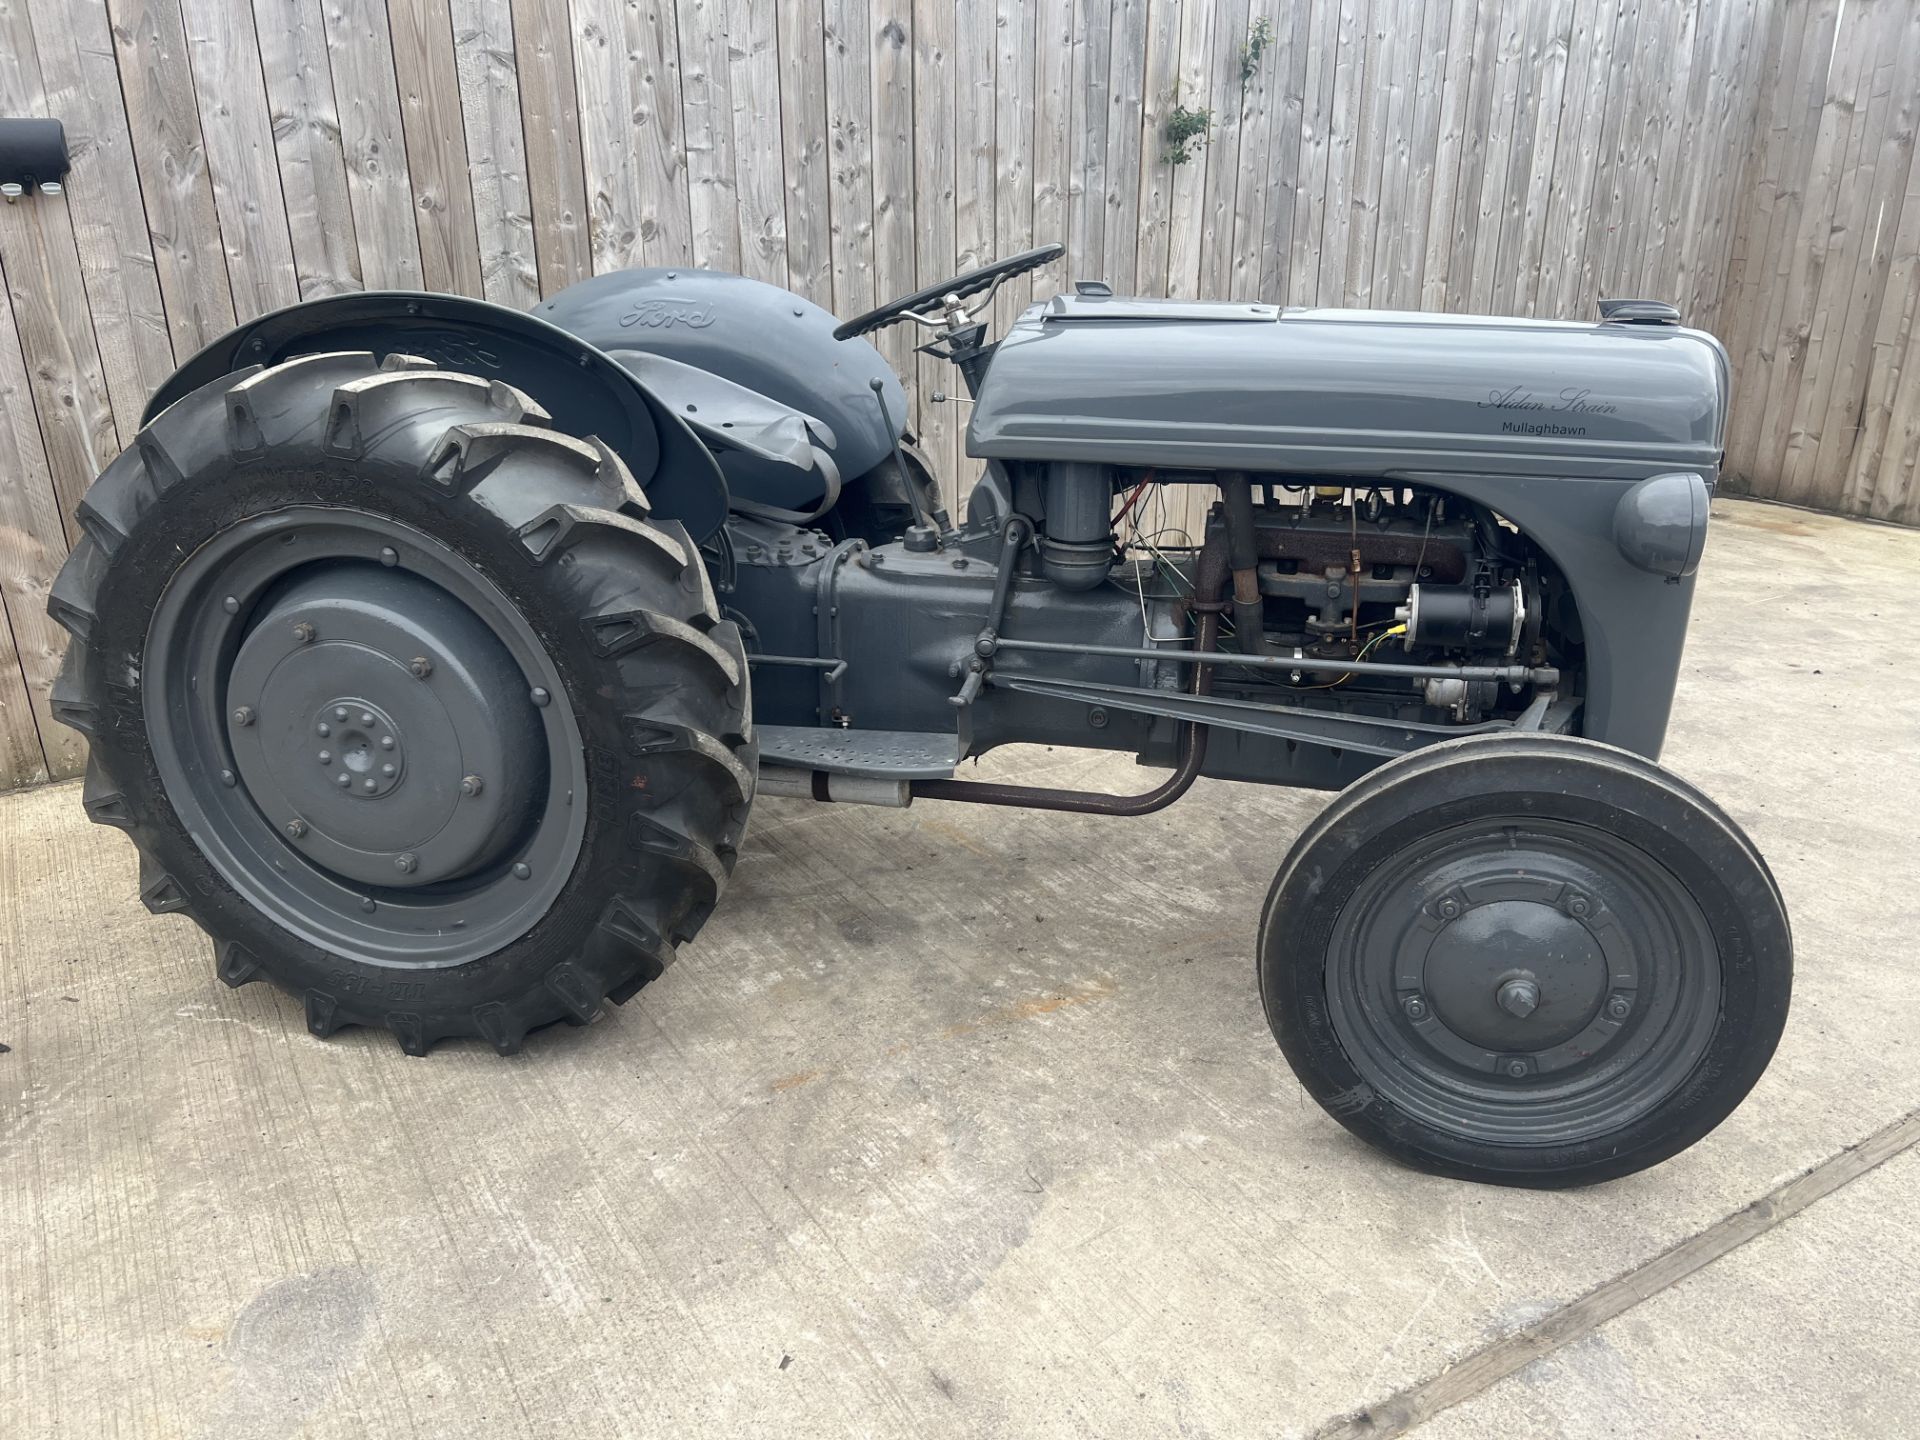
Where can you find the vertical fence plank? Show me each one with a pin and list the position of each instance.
(706, 129)
(803, 144)
(753, 63)
(422, 38)
(241, 157)
(306, 134)
(163, 121)
(850, 132)
(890, 56)
(368, 99)
(1187, 181)
(939, 425)
(1092, 74)
(489, 86)
(1347, 47)
(109, 218)
(1155, 181)
(610, 124)
(1120, 165)
(32, 544)
(40, 262)
(1014, 144)
(550, 126)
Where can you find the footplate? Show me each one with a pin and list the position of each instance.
(889, 754)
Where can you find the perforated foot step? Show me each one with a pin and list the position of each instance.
(890, 754)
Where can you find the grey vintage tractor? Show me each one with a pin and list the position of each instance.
(432, 654)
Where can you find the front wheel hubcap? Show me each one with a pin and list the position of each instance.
(1523, 984)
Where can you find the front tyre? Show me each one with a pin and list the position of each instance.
(1526, 960)
(403, 698)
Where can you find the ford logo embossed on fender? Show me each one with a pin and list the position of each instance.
(664, 313)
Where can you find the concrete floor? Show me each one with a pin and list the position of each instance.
(885, 1156)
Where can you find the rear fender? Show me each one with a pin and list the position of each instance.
(585, 391)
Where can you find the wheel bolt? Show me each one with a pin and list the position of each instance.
(340, 712)
(521, 870)
(231, 605)
(304, 633)
(387, 770)
(472, 786)
(386, 742)
(421, 667)
(326, 757)
(1449, 909)
(1518, 1069)
(405, 863)
(228, 779)
(296, 828)
(1619, 1007)
(540, 698)
(369, 784)
(243, 716)
(366, 717)
(1519, 997)
(389, 556)
(1577, 905)
(1415, 1007)
(324, 728)
(343, 779)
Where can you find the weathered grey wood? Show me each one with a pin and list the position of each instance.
(753, 78)
(1347, 44)
(1224, 99)
(1155, 183)
(163, 120)
(1261, 96)
(1015, 140)
(368, 98)
(422, 35)
(82, 87)
(489, 81)
(32, 545)
(890, 76)
(1090, 117)
(1399, 231)
(850, 132)
(803, 144)
(934, 59)
(550, 125)
(706, 128)
(306, 135)
(1126, 62)
(241, 156)
(1187, 183)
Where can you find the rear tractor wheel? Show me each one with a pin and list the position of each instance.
(403, 698)
(1526, 960)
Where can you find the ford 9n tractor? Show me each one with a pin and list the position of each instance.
(432, 654)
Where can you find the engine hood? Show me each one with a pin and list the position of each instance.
(1178, 384)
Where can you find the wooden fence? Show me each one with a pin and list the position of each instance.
(1747, 160)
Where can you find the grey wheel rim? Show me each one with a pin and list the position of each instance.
(1523, 984)
(359, 731)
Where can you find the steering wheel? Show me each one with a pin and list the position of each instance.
(985, 280)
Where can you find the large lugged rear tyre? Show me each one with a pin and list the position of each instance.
(404, 700)
(1526, 960)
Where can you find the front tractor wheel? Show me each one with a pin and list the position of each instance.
(1526, 960)
(403, 699)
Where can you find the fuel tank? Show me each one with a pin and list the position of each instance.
(1180, 384)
